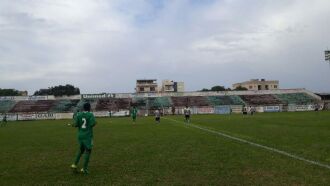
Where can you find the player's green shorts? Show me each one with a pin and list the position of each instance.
(134, 117)
(87, 143)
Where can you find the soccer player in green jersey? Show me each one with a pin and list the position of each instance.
(84, 121)
(134, 114)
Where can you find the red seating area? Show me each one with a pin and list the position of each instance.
(33, 106)
(180, 101)
(124, 103)
(198, 101)
(113, 104)
(265, 99)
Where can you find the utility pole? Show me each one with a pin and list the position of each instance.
(327, 56)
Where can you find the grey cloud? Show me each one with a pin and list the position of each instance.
(104, 46)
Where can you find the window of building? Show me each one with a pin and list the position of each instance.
(259, 87)
(142, 89)
(266, 87)
(275, 86)
(152, 88)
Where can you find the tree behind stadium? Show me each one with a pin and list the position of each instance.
(216, 88)
(67, 90)
(9, 92)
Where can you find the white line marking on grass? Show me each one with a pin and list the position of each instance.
(255, 144)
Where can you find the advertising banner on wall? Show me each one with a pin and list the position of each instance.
(259, 109)
(271, 108)
(236, 108)
(302, 107)
(141, 112)
(205, 110)
(311, 107)
(2, 98)
(22, 98)
(167, 111)
(120, 113)
(64, 115)
(101, 114)
(284, 108)
(97, 96)
(10, 117)
(291, 107)
(193, 110)
(24, 117)
(41, 116)
(222, 109)
(179, 110)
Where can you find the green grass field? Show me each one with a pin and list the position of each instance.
(171, 153)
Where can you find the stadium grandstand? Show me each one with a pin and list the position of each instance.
(140, 102)
(225, 100)
(181, 101)
(114, 104)
(6, 105)
(258, 100)
(199, 102)
(33, 106)
(296, 98)
(159, 102)
(325, 97)
(63, 106)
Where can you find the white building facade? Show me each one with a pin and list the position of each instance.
(256, 84)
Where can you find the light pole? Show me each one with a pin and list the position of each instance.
(327, 56)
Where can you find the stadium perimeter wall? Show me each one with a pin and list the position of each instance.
(223, 109)
(53, 115)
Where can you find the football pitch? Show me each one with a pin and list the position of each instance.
(264, 149)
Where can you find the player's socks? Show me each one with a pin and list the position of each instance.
(86, 160)
(77, 158)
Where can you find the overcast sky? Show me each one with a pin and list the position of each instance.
(105, 45)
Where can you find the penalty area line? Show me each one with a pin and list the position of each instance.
(255, 144)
